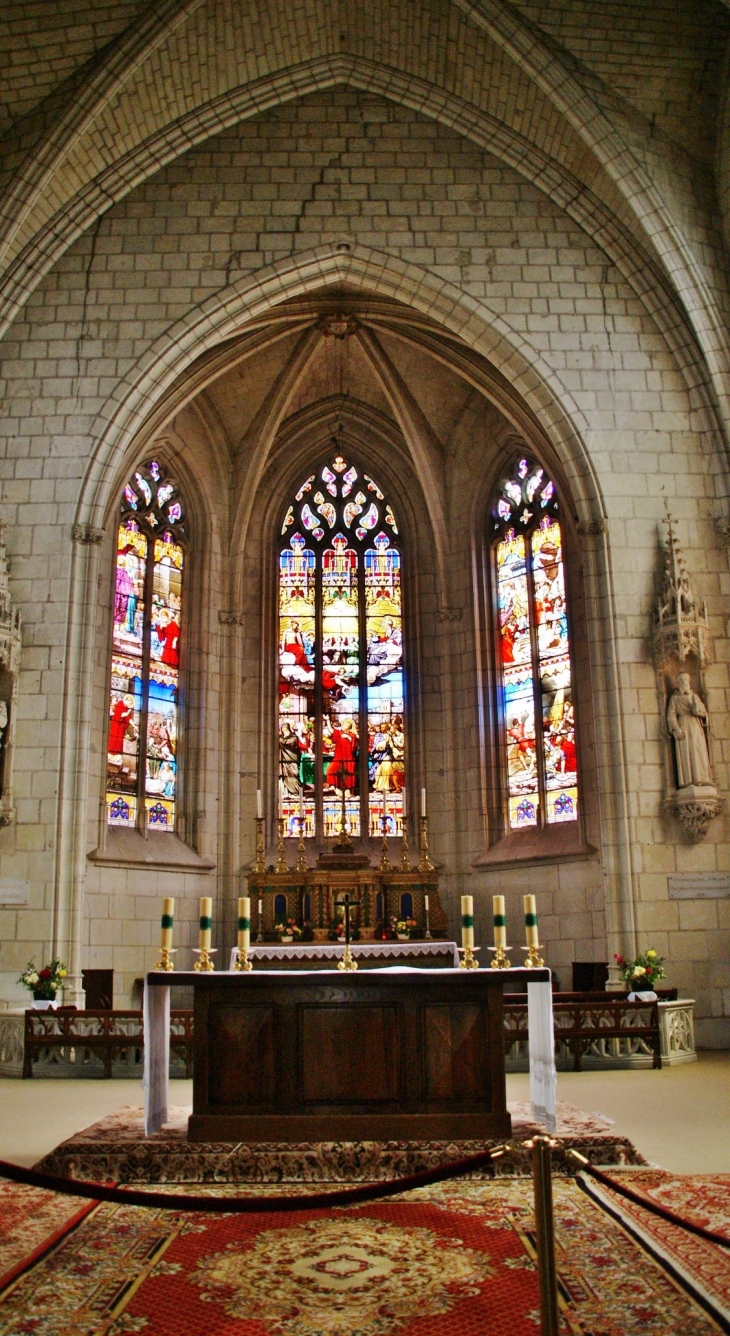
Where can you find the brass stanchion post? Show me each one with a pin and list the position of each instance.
(541, 1147)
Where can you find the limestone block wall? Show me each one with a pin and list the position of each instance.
(350, 168)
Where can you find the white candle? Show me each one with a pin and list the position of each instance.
(168, 911)
(206, 922)
(532, 937)
(301, 807)
(426, 904)
(259, 805)
(244, 924)
(467, 920)
(403, 796)
(500, 922)
(423, 802)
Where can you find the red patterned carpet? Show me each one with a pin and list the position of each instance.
(705, 1200)
(31, 1221)
(451, 1260)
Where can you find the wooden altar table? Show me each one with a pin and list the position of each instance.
(395, 1053)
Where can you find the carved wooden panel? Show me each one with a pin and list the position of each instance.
(348, 1055)
(456, 1052)
(246, 1036)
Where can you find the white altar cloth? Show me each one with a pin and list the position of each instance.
(541, 1043)
(360, 950)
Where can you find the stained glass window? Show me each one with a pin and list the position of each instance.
(341, 708)
(141, 782)
(538, 725)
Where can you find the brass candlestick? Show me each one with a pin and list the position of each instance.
(385, 864)
(468, 957)
(500, 961)
(165, 962)
(260, 934)
(425, 864)
(405, 862)
(534, 960)
(301, 854)
(281, 859)
(259, 865)
(204, 964)
(243, 962)
(427, 907)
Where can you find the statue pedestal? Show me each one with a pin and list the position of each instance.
(695, 806)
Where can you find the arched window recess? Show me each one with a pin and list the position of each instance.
(535, 706)
(340, 651)
(142, 747)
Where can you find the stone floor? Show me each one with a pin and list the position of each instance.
(678, 1117)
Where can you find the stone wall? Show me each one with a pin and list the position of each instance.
(584, 356)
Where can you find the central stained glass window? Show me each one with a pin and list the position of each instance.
(536, 700)
(341, 714)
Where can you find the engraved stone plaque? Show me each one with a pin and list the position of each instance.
(699, 885)
(14, 892)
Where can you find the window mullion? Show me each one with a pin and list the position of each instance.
(144, 711)
(536, 686)
(318, 702)
(363, 701)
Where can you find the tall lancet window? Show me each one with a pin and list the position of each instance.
(536, 701)
(141, 785)
(341, 711)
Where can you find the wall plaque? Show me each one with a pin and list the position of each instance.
(699, 885)
(14, 892)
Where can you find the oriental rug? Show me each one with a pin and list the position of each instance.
(702, 1267)
(453, 1259)
(31, 1222)
(116, 1149)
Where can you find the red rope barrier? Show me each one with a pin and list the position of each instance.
(191, 1202)
(662, 1211)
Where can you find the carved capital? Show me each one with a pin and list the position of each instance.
(87, 534)
(592, 528)
(449, 615)
(227, 618)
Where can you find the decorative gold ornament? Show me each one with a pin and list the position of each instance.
(425, 864)
(348, 961)
(165, 962)
(281, 859)
(534, 960)
(500, 961)
(259, 865)
(242, 963)
(204, 964)
(468, 957)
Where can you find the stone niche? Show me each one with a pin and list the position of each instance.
(683, 648)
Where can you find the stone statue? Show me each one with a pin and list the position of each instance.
(3, 722)
(688, 722)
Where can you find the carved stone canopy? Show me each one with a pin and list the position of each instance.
(680, 625)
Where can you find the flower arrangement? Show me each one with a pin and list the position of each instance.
(288, 928)
(45, 983)
(643, 972)
(405, 927)
(337, 931)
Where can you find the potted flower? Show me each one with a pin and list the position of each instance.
(641, 974)
(405, 928)
(43, 984)
(337, 931)
(288, 931)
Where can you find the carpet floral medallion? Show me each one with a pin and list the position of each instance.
(364, 1274)
(455, 1259)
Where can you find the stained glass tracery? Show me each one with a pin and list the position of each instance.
(340, 657)
(537, 711)
(141, 782)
